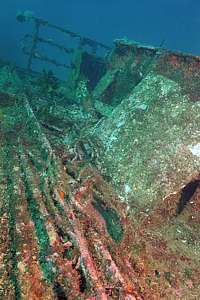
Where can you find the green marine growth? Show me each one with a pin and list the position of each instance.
(12, 199)
(82, 91)
(2, 116)
(10, 81)
(48, 83)
(112, 220)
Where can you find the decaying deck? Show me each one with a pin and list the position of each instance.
(99, 190)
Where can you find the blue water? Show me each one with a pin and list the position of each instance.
(175, 21)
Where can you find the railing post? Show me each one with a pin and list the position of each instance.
(34, 43)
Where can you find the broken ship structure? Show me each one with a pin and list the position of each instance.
(99, 177)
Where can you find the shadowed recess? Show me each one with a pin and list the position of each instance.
(187, 193)
(112, 220)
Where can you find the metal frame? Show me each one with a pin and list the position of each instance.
(33, 53)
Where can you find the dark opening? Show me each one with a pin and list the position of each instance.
(82, 282)
(93, 68)
(58, 290)
(157, 273)
(60, 232)
(187, 193)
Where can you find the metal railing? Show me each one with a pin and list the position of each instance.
(30, 42)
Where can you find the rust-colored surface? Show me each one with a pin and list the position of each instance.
(67, 233)
(55, 242)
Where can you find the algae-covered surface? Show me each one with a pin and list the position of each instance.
(99, 184)
(153, 135)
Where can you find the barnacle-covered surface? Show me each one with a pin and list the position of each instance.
(99, 194)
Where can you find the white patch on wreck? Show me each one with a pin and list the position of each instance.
(195, 150)
(127, 189)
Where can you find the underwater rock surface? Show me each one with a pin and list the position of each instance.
(99, 196)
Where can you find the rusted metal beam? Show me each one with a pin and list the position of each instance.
(42, 57)
(51, 43)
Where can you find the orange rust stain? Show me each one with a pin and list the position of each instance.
(62, 195)
(129, 289)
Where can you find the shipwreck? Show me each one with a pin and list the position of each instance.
(100, 173)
